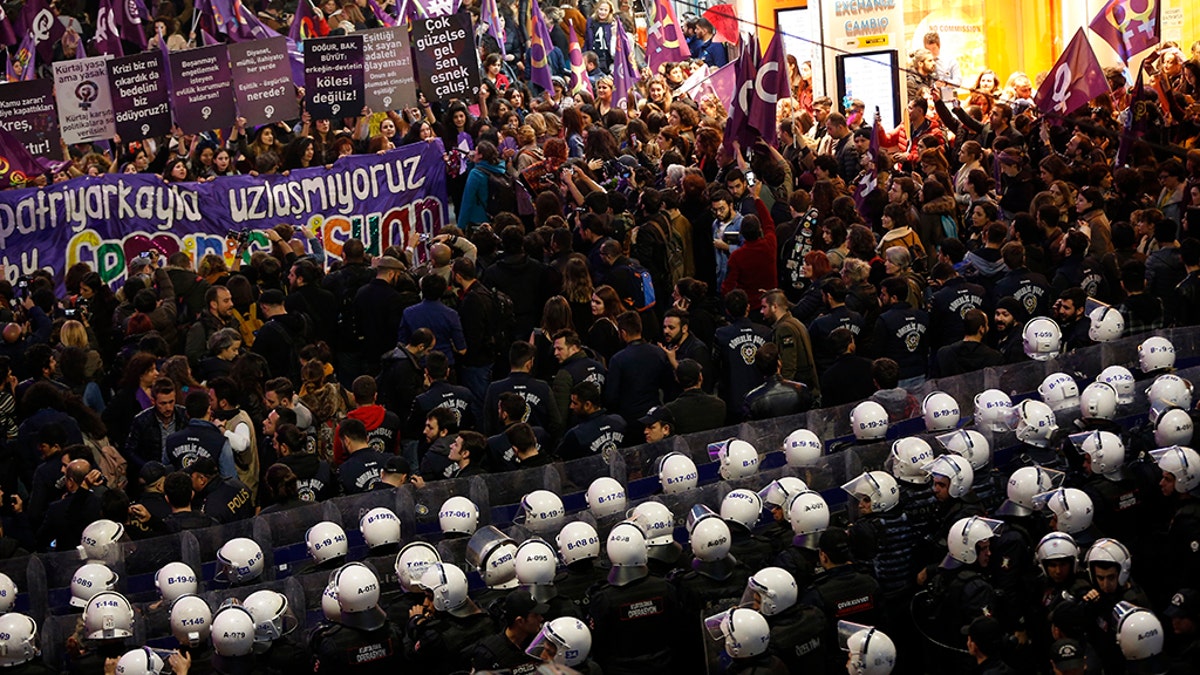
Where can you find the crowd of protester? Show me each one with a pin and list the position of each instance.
(617, 275)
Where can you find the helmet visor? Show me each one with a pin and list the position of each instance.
(718, 448)
(717, 625)
(864, 486)
(696, 514)
(481, 545)
(848, 629)
(543, 647)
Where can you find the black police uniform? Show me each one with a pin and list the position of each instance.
(1184, 548)
(763, 664)
(497, 652)
(442, 394)
(600, 433)
(337, 648)
(285, 656)
(315, 478)
(362, 469)
(844, 593)
(901, 334)
(949, 306)
(751, 549)
(442, 644)
(959, 596)
(226, 499)
(1011, 567)
(643, 617)
(822, 326)
(919, 506)
(500, 453)
(704, 590)
(799, 639)
(582, 369)
(1029, 288)
(577, 580)
(801, 562)
(196, 440)
(34, 667)
(156, 504)
(735, 347)
(540, 411)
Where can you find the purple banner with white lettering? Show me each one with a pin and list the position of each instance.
(27, 112)
(334, 76)
(262, 78)
(203, 89)
(107, 220)
(140, 95)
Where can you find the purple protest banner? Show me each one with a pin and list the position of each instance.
(334, 76)
(390, 82)
(107, 220)
(85, 108)
(447, 61)
(262, 78)
(203, 89)
(140, 96)
(27, 112)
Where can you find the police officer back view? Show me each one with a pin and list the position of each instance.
(443, 630)
(361, 640)
(735, 346)
(841, 591)
(223, 498)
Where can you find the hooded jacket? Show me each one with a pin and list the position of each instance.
(475, 195)
(930, 226)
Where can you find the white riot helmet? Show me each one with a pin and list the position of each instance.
(1072, 509)
(877, 486)
(1042, 338)
(577, 541)
(358, 596)
(239, 561)
(1098, 401)
(380, 527)
(89, 580)
(233, 631)
(1057, 546)
(869, 421)
(458, 515)
(1119, 378)
(955, 469)
(1113, 552)
(1059, 391)
(448, 586)
(273, 618)
(745, 632)
(993, 411)
(411, 563)
(710, 539)
(100, 541)
(1182, 463)
(606, 497)
(907, 457)
(8, 593)
(18, 639)
(1106, 452)
(677, 473)
(965, 536)
(140, 661)
(1156, 353)
(1139, 633)
(810, 516)
(1174, 427)
(872, 652)
(108, 616)
(737, 458)
(940, 411)
(494, 554)
(175, 579)
(628, 552)
(1168, 391)
(542, 511)
(537, 563)
(571, 639)
(969, 444)
(1036, 424)
(329, 603)
(1023, 485)
(326, 541)
(656, 520)
(191, 620)
(1107, 324)
(772, 589)
(802, 448)
(743, 507)
(777, 493)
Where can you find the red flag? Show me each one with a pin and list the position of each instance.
(1074, 80)
(725, 22)
(1127, 29)
(665, 43)
(770, 85)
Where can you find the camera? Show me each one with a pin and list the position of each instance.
(239, 236)
(23, 283)
(71, 312)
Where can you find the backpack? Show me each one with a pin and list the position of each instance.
(503, 320)
(501, 193)
(110, 463)
(674, 242)
(248, 325)
(647, 299)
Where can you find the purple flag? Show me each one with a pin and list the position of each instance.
(20, 163)
(624, 73)
(388, 20)
(579, 80)
(1137, 120)
(8, 34)
(539, 49)
(108, 36)
(737, 127)
(430, 8)
(1075, 79)
(39, 21)
(490, 15)
(240, 25)
(664, 42)
(303, 24)
(770, 85)
(207, 40)
(22, 67)
(130, 17)
(1127, 30)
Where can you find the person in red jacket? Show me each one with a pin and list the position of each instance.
(383, 426)
(752, 265)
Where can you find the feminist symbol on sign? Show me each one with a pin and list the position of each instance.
(333, 109)
(387, 102)
(205, 112)
(1062, 87)
(269, 111)
(145, 129)
(86, 93)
